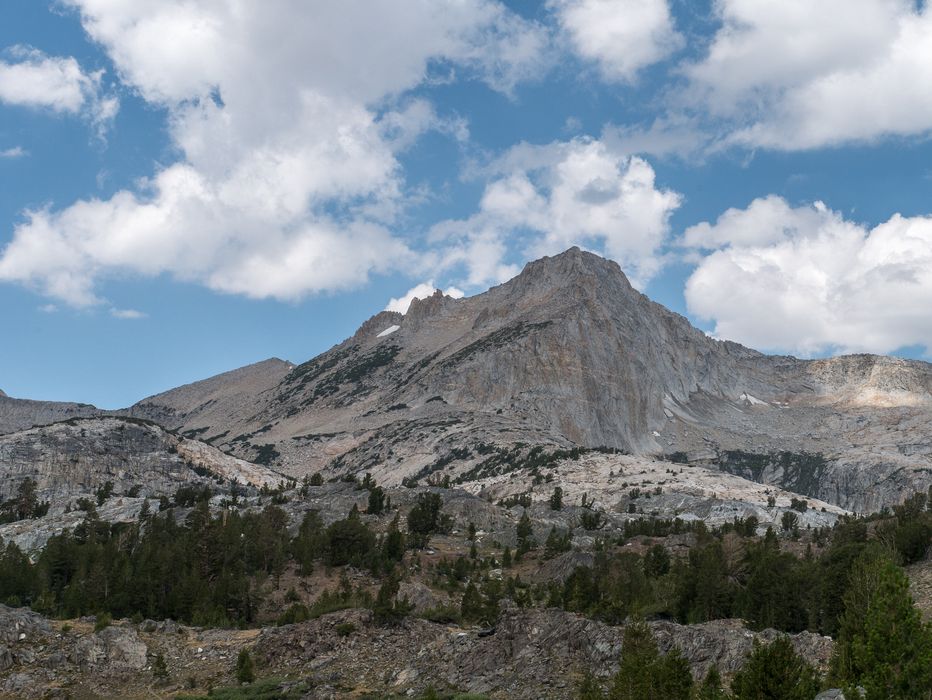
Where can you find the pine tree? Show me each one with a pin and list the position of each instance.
(472, 607)
(245, 671)
(425, 518)
(556, 499)
(775, 672)
(525, 534)
(589, 689)
(711, 686)
(789, 521)
(656, 561)
(393, 545)
(674, 679)
(310, 543)
(883, 644)
(643, 674)
(387, 609)
(556, 543)
(636, 679)
(160, 668)
(376, 500)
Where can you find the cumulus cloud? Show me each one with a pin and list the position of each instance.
(579, 192)
(420, 291)
(805, 279)
(798, 74)
(288, 124)
(620, 36)
(33, 79)
(14, 152)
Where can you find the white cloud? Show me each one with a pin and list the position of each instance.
(804, 279)
(420, 291)
(766, 221)
(799, 74)
(621, 36)
(35, 80)
(579, 192)
(127, 314)
(14, 152)
(288, 123)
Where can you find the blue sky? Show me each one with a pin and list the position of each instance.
(187, 187)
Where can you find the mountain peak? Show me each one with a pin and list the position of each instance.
(427, 307)
(572, 264)
(377, 324)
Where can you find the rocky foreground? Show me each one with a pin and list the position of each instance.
(529, 654)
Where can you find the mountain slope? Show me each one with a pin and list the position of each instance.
(223, 398)
(19, 414)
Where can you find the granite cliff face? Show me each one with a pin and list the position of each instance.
(135, 460)
(81, 455)
(567, 354)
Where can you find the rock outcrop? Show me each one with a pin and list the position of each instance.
(529, 654)
(79, 456)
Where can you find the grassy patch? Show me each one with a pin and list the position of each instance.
(267, 689)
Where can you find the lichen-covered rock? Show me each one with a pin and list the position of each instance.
(421, 598)
(19, 625)
(116, 647)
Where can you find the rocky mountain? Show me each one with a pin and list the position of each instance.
(19, 414)
(569, 354)
(565, 355)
